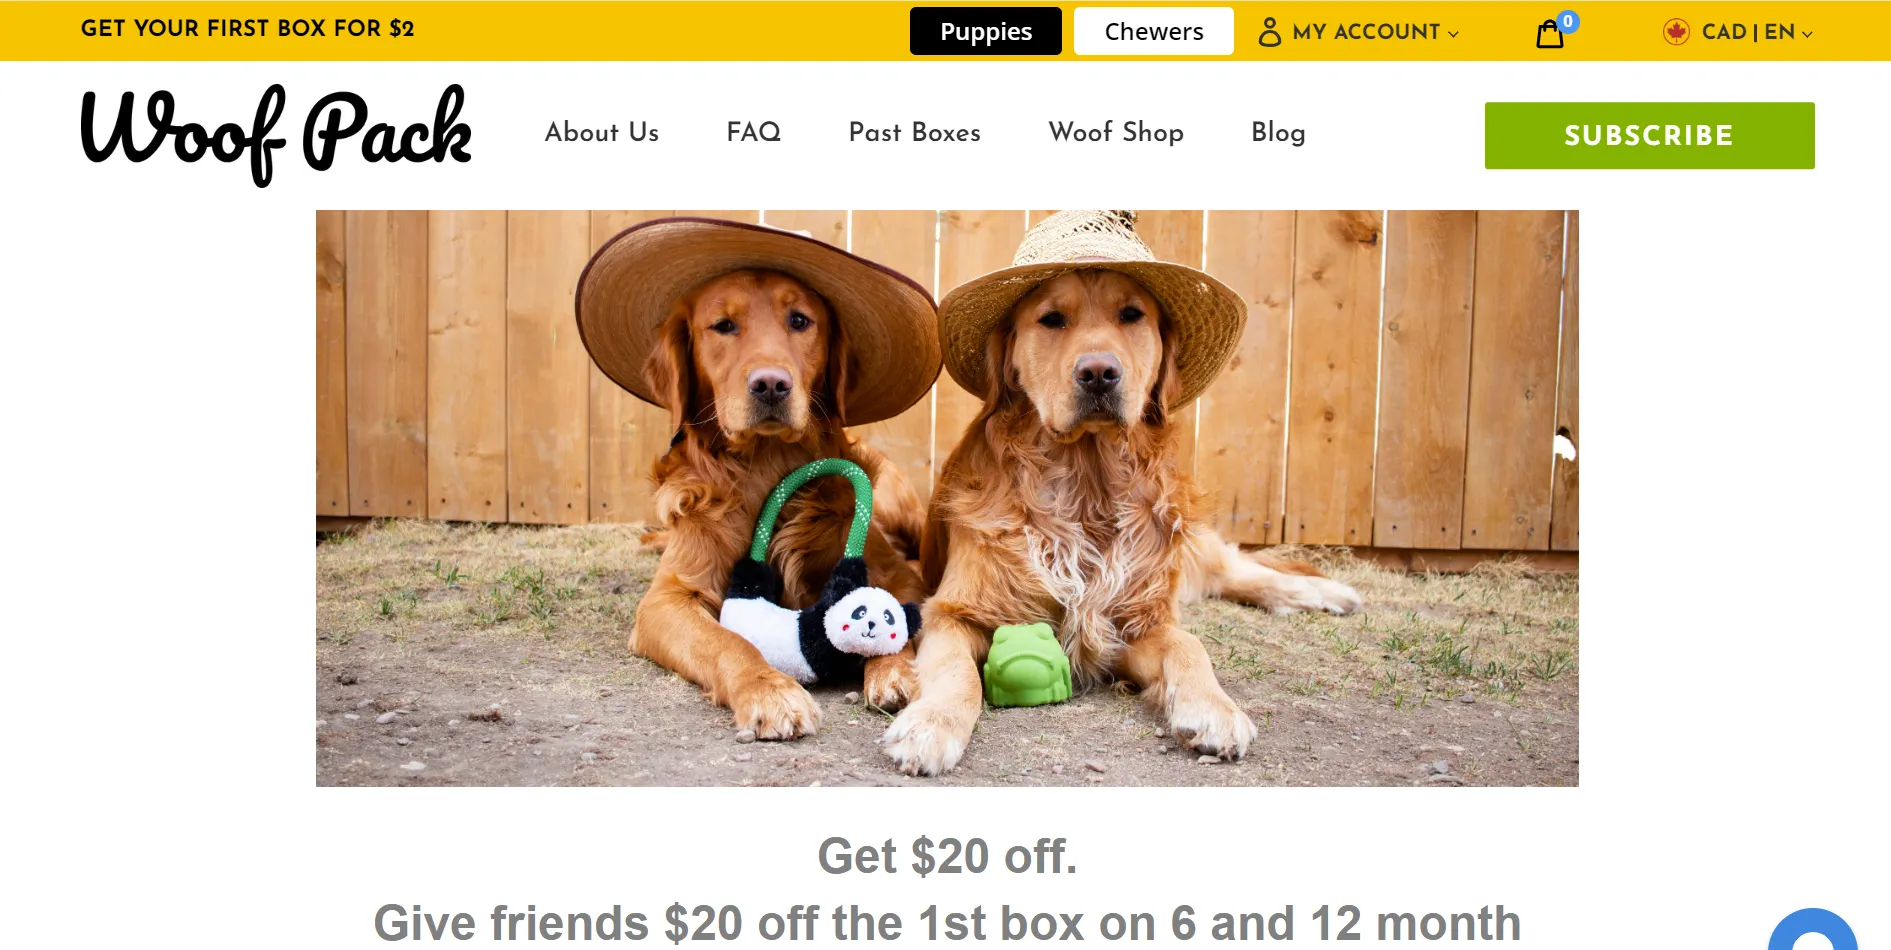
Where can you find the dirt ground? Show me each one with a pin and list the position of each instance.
(495, 655)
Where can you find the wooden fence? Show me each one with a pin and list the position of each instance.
(1400, 384)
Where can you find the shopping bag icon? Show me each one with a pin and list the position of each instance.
(1548, 36)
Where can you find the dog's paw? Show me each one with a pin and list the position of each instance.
(891, 681)
(1317, 593)
(926, 739)
(1211, 724)
(774, 706)
(1335, 597)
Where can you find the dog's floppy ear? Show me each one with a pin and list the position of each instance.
(1168, 382)
(997, 365)
(841, 365)
(671, 370)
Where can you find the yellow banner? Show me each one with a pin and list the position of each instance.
(786, 30)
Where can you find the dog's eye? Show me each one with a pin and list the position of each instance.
(724, 326)
(799, 321)
(1130, 315)
(1053, 320)
(860, 612)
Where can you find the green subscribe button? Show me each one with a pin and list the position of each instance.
(1648, 135)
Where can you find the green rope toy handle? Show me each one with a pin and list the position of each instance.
(863, 505)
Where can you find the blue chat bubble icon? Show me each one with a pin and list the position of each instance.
(1813, 920)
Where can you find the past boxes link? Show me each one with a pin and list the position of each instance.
(232, 28)
(945, 856)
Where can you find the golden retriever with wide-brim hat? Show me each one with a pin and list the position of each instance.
(764, 345)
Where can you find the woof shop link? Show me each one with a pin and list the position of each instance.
(1134, 131)
(336, 117)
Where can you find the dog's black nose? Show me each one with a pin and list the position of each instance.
(770, 385)
(1098, 373)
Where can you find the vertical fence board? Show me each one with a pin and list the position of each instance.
(904, 241)
(829, 226)
(1176, 236)
(971, 244)
(331, 364)
(387, 363)
(747, 217)
(466, 365)
(1563, 493)
(1241, 455)
(1513, 380)
(1334, 377)
(1173, 235)
(627, 434)
(547, 371)
(1424, 379)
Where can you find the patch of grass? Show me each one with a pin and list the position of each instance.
(1312, 686)
(1251, 663)
(1386, 682)
(523, 591)
(1422, 638)
(400, 603)
(1550, 664)
(1449, 657)
(493, 609)
(448, 574)
(528, 581)
(1341, 646)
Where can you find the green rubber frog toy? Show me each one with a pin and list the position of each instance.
(1026, 667)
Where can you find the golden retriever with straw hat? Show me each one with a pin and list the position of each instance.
(1063, 502)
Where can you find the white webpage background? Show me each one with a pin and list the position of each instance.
(159, 396)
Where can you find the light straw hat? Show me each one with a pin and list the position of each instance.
(633, 281)
(1202, 317)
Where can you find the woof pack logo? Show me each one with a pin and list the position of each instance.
(336, 118)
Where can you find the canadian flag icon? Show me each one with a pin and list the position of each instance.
(1675, 32)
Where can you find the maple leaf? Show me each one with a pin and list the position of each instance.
(1676, 30)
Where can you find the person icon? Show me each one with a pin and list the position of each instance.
(1269, 38)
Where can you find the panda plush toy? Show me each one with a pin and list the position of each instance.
(853, 620)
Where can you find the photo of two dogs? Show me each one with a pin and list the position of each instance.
(1066, 501)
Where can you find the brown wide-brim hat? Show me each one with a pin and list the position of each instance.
(1202, 317)
(633, 281)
